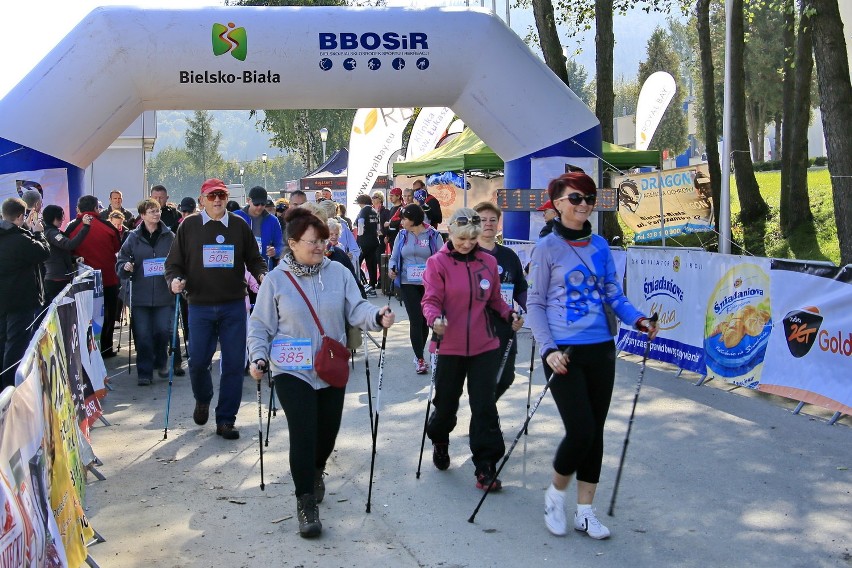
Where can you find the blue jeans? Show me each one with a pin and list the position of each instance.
(227, 324)
(15, 334)
(152, 332)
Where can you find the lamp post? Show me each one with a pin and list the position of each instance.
(323, 138)
(242, 171)
(263, 159)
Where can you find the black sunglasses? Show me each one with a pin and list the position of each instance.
(462, 221)
(258, 203)
(578, 198)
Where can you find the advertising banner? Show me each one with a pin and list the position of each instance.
(672, 286)
(51, 183)
(809, 357)
(686, 198)
(654, 98)
(428, 128)
(90, 356)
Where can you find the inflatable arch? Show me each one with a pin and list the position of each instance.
(121, 61)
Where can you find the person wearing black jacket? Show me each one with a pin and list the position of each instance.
(168, 214)
(431, 205)
(21, 291)
(367, 224)
(60, 267)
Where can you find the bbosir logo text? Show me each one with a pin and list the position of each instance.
(230, 38)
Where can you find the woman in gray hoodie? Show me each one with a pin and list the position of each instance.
(282, 333)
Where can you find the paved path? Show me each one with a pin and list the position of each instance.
(712, 478)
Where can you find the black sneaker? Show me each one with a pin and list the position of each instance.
(144, 381)
(308, 514)
(486, 477)
(227, 431)
(179, 372)
(319, 485)
(441, 455)
(201, 413)
(108, 353)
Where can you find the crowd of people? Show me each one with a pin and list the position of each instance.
(279, 286)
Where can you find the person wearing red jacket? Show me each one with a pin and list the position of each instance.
(98, 251)
(462, 280)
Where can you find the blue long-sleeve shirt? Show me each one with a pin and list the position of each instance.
(266, 229)
(568, 283)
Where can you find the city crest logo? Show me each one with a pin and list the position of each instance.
(230, 39)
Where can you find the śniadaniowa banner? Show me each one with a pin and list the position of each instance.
(809, 357)
(672, 286)
(686, 202)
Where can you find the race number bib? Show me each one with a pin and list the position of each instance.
(507, 291)
(292, 354)
(414, 273)
(218, 256)
(259, 245)
(153, 267)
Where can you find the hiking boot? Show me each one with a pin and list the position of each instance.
(144, 381)
(308, 514)
(554, 511)
(420, 366)
(201, 413)
(441, 455)
(319, 485)
(488, 476)
(227, 431)
(588, 523)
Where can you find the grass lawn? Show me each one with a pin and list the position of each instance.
(811, 243)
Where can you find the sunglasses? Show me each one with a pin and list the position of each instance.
(214, 195)
(258, 203)
(578, 198)
(463, 221)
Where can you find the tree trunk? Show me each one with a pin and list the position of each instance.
(548, 38)
(752, 206)
(604, 46)
(799, 209)
(789, 38)
(835, 92)
(753, 121)
(708, 87)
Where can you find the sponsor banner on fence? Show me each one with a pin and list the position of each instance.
(670, 285)
(809, 357)
(686, 202)
(738, 318)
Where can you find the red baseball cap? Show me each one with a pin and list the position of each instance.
(213, 184)
(545, 206)
(396, 191)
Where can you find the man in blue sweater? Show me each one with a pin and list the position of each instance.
(265, 227)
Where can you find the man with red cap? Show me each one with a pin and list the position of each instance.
(208, 261)
(392, 226)
(550, 214)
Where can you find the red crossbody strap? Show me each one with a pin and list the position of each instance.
(308, 302)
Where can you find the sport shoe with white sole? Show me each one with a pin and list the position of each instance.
(588, 523)
(554, 511)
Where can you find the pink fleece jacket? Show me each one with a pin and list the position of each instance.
(460, 287)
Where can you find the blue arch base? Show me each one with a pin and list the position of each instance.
(15, 157)
(518, 173)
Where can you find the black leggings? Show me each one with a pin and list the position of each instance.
(582, 397)
(370, 256)
(313, 419)
(412, 295)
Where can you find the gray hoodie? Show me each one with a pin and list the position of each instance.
(281, 313)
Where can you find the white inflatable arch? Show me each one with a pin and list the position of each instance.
(121, 61)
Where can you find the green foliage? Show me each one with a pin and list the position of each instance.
(671, 133)
(299, 131)
(578, 78)
(202, 143)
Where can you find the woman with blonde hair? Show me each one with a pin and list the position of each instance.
(460, 282)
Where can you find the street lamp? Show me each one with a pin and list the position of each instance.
(323, 138)
(263, 159)
(242, 171)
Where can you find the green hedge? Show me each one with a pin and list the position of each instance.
(772, 165)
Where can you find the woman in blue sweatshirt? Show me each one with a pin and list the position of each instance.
(572, 274)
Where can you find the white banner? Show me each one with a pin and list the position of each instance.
(376, 134)
(428, 128)
(809, 357)
(51, 183)
(654, 99)
(670, 284)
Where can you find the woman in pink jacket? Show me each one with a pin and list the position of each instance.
(460, 282)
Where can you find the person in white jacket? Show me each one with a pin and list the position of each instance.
(283, 336)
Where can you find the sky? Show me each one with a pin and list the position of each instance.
(36, 26)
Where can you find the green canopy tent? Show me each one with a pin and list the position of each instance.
(468, 153)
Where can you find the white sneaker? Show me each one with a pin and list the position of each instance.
(554, 511)
(589, 524)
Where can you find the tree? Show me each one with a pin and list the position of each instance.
(708, 88)
(551, 48)
(173, 168)
(298, 130)
(202, 143)
(671, 133)
(578, 81)
(835, 92)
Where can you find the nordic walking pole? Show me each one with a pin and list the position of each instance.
(378, 410)
(505, 358)
(130, 323)
(120, 328)
(529, 382)
(653, 320)
(260, 427)
(530, 414)
(369, 388)
(429, 401)
(174, 345)
(269, 410)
